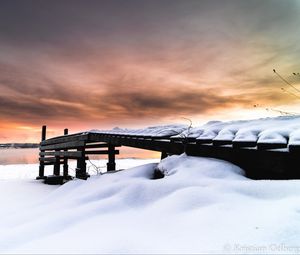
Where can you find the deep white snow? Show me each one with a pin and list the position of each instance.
(157, 131)
(201, 206)
(283, 129)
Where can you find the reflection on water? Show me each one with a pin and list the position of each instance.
(30, 156)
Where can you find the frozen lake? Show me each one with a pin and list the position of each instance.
(18, 156)
(30, 156)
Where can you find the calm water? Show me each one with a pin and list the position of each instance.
(30, 156)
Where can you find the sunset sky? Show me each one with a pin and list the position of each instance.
(100, 64)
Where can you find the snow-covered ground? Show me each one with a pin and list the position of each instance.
(30, 171)
(201, 206)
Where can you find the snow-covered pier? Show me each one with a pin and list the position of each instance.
(265, 148)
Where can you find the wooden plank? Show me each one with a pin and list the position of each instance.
(96, 145)
(114, 140)
(65, 138)
(53, 159)
(160, 137)
(74, 154)
(176, 139)
(67, 145)
(294, 148)
(243, 144)
(52, 163)
(48, 159)
(190, 139)
(221, 142)
(146, 136)
(204, 141)
(269, 146)
(103, 138)
(103, 152)
(149, 144)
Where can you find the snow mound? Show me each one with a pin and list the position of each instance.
(202, 205)
(196, 167)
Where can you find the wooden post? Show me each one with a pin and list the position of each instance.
(111, 165)
(56, 169)
(163, 155)
(66, 167)
(81, 166)
(42, 165)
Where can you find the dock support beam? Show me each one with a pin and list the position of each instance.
(42, 165)
(56, 169)
(81, 166)
(111, 165)
(66, 166)
(163, 155)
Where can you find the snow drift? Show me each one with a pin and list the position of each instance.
(202, 205)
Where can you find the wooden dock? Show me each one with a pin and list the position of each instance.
(260, 161)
